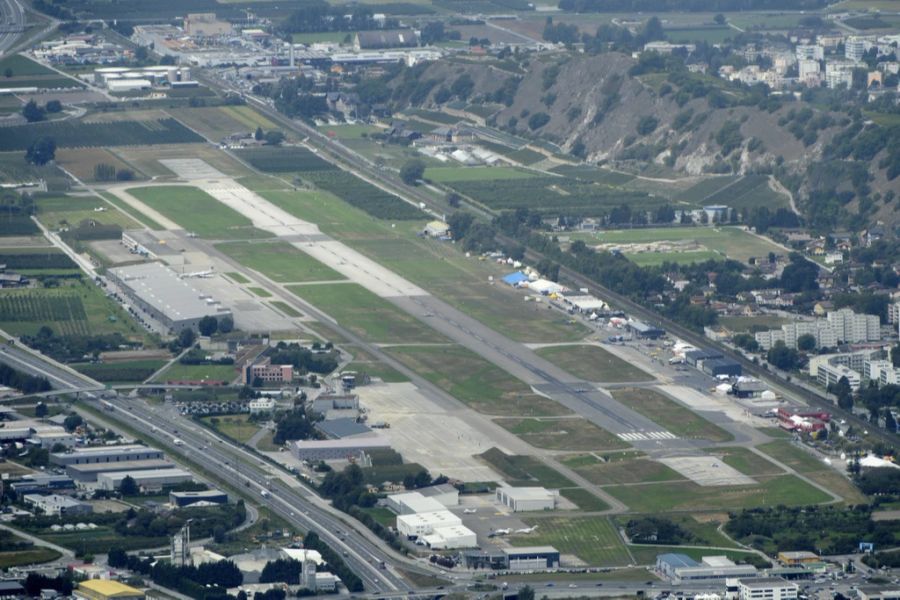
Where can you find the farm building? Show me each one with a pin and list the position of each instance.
(521, 499)
(166, 297)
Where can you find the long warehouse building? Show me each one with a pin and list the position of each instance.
(88, 473)
(105, 454)
(149, 479)
(166, 297)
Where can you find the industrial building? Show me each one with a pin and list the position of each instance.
(123, 79)
(105, 589)
(265, 371)
(377, 40)
(145, 479)
(874, 592)
(798, 558)
(448, 538)
(643, 330)
(41, 483)
(678, 568)
(338, 429)
(202, 498)
(49, 439)
(521, 499)
(444, 493)
(105, 454)
(410, 503)
(529, 558)
(166, 297)
(768, 588)
(205, 25)
(87, 473)
(316, 450)
(57, 505)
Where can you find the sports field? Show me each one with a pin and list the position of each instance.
(365, 314)
(574, 434)
(198, 212)
(474, 381)
(593, 363)
(664, 411)
(449, 174)
(592, 539)
(279, 261)
(732, 242)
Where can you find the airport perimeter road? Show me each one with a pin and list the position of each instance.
(283, 495)
(12, 23)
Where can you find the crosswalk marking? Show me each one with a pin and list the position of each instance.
(635, 436)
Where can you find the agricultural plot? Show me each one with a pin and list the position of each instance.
(27, 73)
(14, 168)
(525, 470)
(131, 371)
(749, 192)
(618, 469)
(594, 174)
(17, 225)
(526, 156)
(248, 116)
(593, 363)
(277, 159)
(279, 261)
(211, 121)
(592, 539)
(363, 195)
(474, 381)
(69, 211)
(451, 174)
(196, 211)
(365, 314)
(575, 434)
(9, 104)
(348, 132)
(75, 134)
(31, 260)
(678, 419)
(80, 162)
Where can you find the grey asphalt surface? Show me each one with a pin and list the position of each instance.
(12, 23)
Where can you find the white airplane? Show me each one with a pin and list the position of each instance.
(526, 529)
(501, 532)
(470, 511)
(199, 274)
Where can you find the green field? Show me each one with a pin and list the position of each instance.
(475, 381)
(746, 461)
(575, 434)
(585, 500)
(807, 465)
(237, 427)
(685, 496)
(617, 471)
(180, 372)
(365, 314)
(121, 371)
(667, 413)
(448, 174)
(592, 539)
(262, 293)
(33, 556)
(593, 363)
(703, 528)
(196, 211)
(27, 73)
(59, 211)
(348, 132)
(732, 242)
(279, 261)
(654, 259)
(525, 470)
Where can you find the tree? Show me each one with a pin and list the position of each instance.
(40, 410)
(41, 151)
(186, 338)
(226, 324)
(719, 19)
(844, 393)
(32, 112)
(647, 125)
(806, 342)
(8, 72)
(782, 357)
(104, 172)
(129, 486)
(73, 422)
(538, 120)
(526, 593)
(258, 136)
(53, 106)
(274, 137)
(895, 355)
(412, 171)
(208, 325)
(453, 199)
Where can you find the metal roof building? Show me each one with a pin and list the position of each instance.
(105, 454)
(166, 297)
(152, 479)
(88, 472)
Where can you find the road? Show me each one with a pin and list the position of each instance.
(12, 23)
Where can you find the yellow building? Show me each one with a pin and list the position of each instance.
(104, 589)
(796, 559)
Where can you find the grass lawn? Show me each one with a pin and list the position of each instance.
(573, 433)
(685, 496)
(195, 210)
(180, 372)
(28, 73)
(593, 363)
(732, 242)
(135, 214)
(286, 308)
(279, 261)
(32, 556)
(126, 371)
(451, 174)
(237, 427)
(348, 132)
(237, 277)
(365, 314)
(681, 421)
(525, 470)
(474, 381)
(816, 470)
(654, 259)
(592, 539)
(618, 470)
(746, 461)
(377, 370)
(260, 292)
(58, 211)
(382, 515)
(703, 527)
(585, 500)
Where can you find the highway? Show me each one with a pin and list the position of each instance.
(12, 24)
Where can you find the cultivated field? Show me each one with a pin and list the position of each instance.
(121, 371)
(76, 134)
(576, 434)
(196, 211)
(279, 261)
(474, 381)
(81, 162)
(667, 413)
(593, 363)
(27, 73)
(451, 174)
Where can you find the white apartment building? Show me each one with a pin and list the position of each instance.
(852, 327)
(768, 588)
(855, 47)
(828, 374)
(808, 68)
(810, 52)
(882, 371)
(842, 325)
(838, 73)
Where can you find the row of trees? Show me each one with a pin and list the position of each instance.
(33, 112)
(25, 383)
